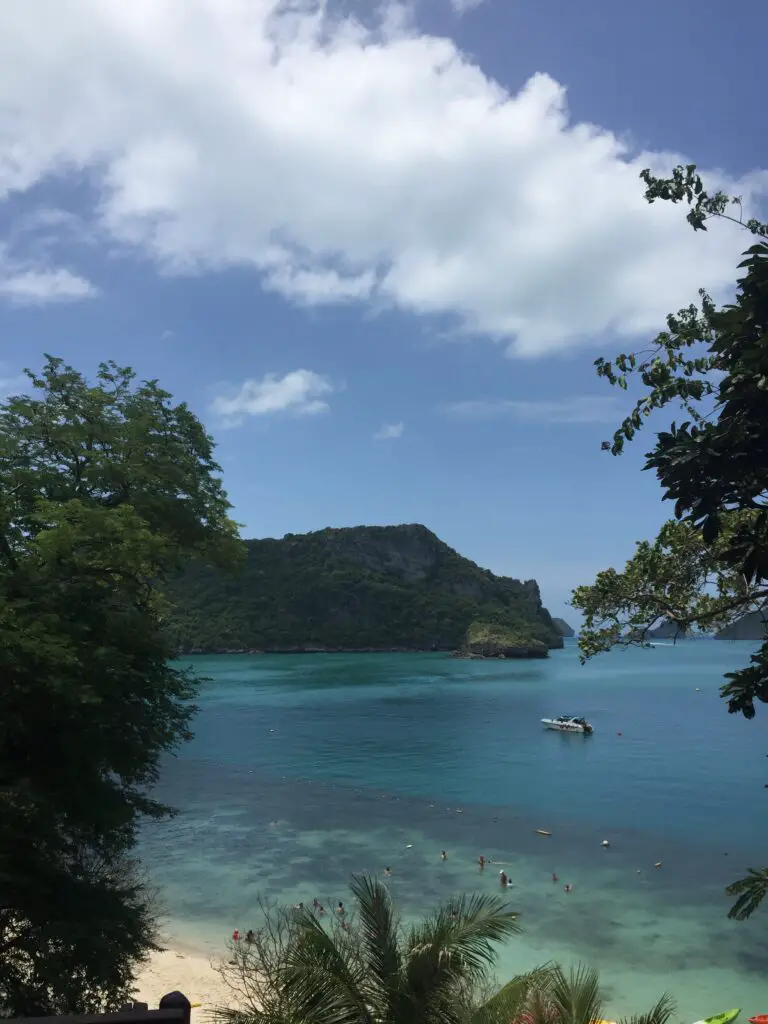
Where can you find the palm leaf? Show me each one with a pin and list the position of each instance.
(378, 936)
(452, 947)
(323, 978)
(510, 1001)
(751, 891)
(658, 1014)
(575, 997)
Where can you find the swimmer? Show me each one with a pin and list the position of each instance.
(345, 925)
(568, 888)
(503, 880)
(298, 906)
(455, 915)
(481, 861)
(388, 872)
(340, 909)
(316, 903)
(443, 855)
(554, 877)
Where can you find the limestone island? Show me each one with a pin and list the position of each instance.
(358, 589)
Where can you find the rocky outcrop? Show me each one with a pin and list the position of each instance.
(563, 628)
(753, 626)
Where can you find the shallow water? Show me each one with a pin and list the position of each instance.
(305, 769)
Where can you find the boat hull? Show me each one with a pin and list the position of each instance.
(562, 726)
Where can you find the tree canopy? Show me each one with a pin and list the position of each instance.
(105, 489)
(709, 565)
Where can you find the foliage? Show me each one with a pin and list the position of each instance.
(494, 635)
(375, 968)
(710, 565)
(751, 891)
(369, 967)
(104, 490)
(378, 588)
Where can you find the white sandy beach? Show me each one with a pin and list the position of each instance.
(179, 969)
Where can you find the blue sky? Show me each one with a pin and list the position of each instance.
(377, 249)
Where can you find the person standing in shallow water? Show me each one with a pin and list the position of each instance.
(481, 862)
(443, 855)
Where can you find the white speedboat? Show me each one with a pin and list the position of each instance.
(567, 723)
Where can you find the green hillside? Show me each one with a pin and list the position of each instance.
(362, 588)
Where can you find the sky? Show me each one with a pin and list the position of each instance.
(378, 247)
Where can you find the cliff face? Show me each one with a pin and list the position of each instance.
(753, 626)
(362, 588)
(563, 628)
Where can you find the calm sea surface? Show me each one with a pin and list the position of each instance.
(305, 769)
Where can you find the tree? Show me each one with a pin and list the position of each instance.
(299, 968)
(709, 565)
(105, 489)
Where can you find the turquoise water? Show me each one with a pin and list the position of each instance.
(305, 769)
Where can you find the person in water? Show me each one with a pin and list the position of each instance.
(481, 861)
(388, 872)
(554, 876)
(569, 887)
(249, 936)
(503, 880)
(340, 909)
(443, 855)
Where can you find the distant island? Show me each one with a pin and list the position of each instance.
(364, 588)
(753, 626)
(563, 628)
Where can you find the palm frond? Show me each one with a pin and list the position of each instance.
(510, 1001)
(658, 1014)
(575, 997)
(378, 938)
(751, 891)
(453, 947)
(323, 979)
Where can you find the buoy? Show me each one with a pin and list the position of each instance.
(541, 832)
(658, 863)
(605, 843)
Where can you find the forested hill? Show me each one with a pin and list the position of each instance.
(366, 587)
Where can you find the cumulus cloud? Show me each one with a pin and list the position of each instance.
(574, 409)
(39, 287)
(390, 431)
(340, 163)
(298, 393)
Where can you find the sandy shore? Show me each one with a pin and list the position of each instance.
(179, 969)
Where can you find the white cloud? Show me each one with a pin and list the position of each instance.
(298, 393)
(41, 287)
(390, 431)
(347, 164)
(575, 409)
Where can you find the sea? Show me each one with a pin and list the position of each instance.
(306, 769)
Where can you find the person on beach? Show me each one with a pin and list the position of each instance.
(481, 861)
(250, 936)
(443, 855)
(503, 880)
(236, 935)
